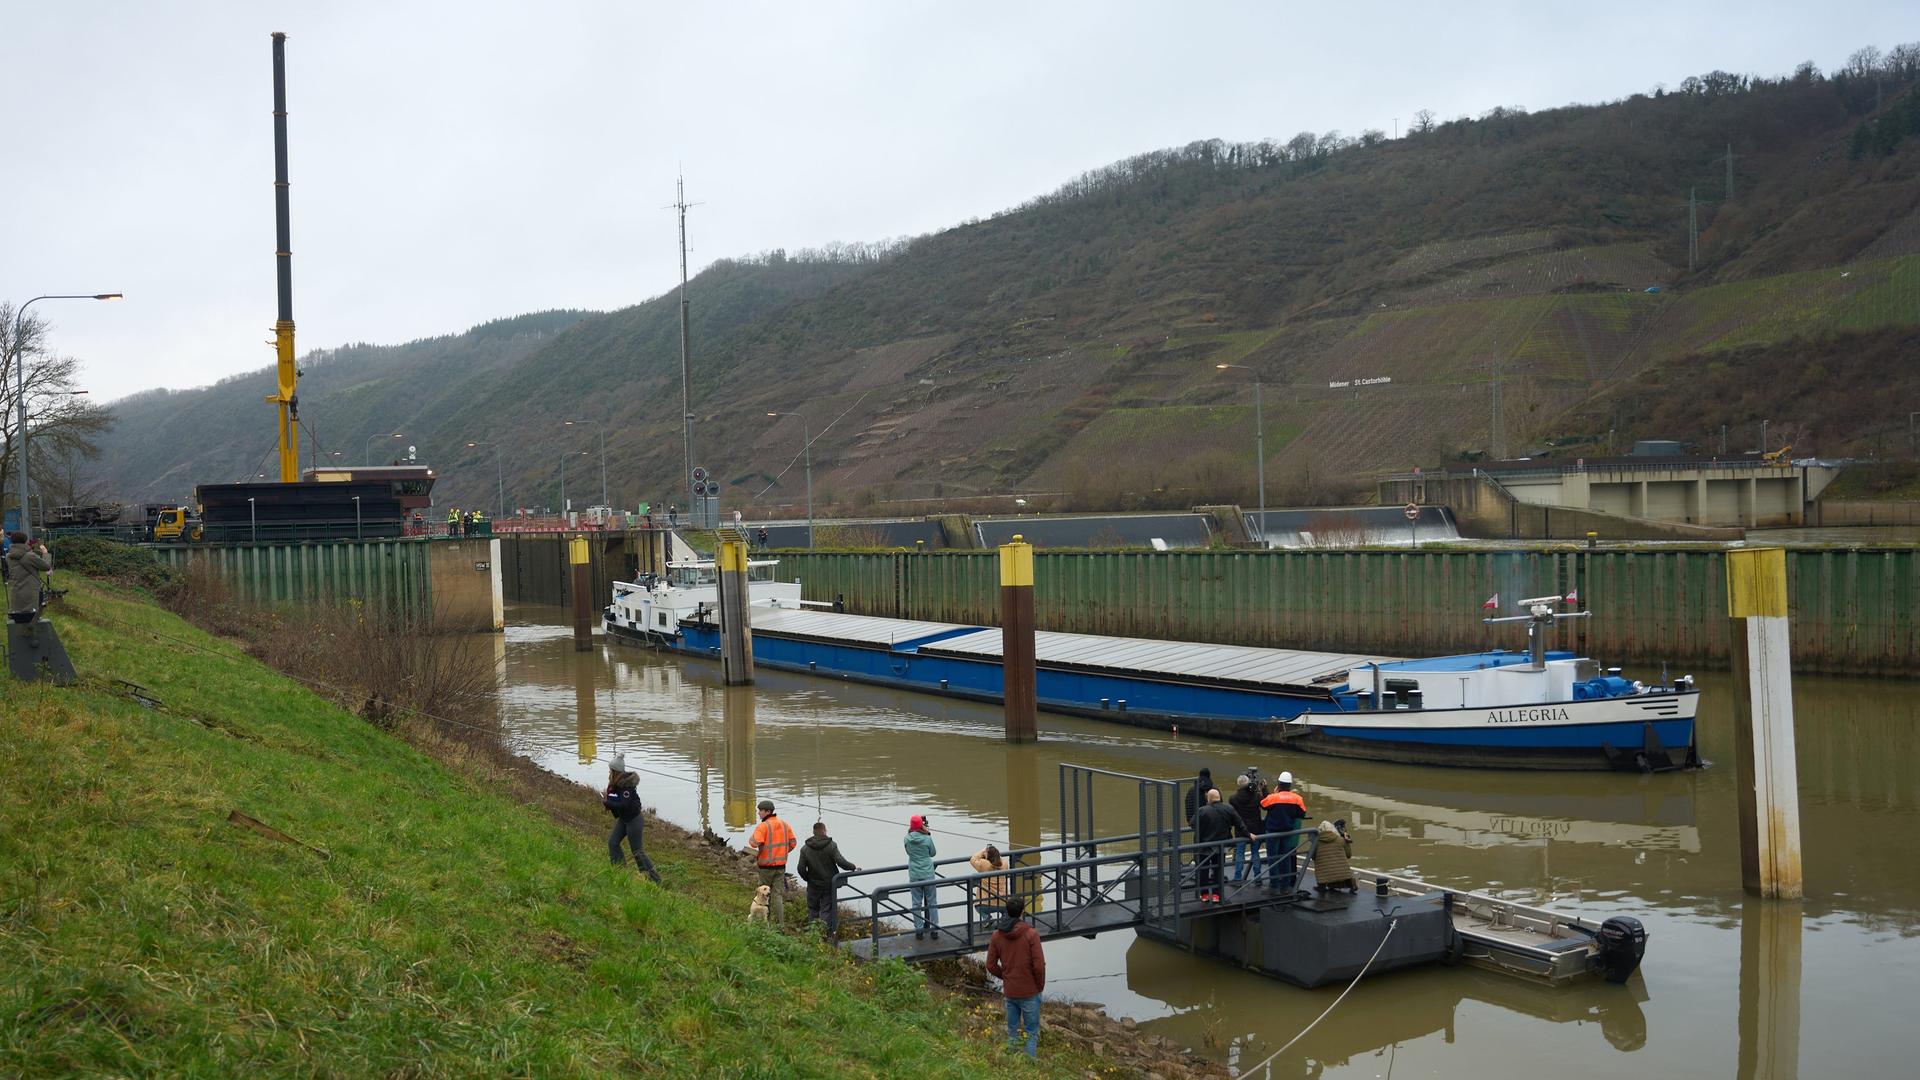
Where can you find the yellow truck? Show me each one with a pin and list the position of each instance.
(174, 524)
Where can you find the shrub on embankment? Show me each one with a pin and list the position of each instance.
(398, 917)
(111, 560)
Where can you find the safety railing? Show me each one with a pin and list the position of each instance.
(1092, 887)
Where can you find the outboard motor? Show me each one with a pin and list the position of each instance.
(1623, 941)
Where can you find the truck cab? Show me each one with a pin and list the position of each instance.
(173, 524)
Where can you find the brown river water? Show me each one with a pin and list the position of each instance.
(1730, 986)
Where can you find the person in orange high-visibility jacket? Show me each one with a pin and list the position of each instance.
(1285, 811)
(773, 841)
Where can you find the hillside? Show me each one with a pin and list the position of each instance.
(1529, 259)
(391, 915)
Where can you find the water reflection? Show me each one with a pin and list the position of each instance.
(1770, 989)
(737, 773)
(1662, 848)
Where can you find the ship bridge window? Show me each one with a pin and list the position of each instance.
(689, 576)
(663, 618)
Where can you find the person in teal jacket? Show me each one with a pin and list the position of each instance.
(920, 856)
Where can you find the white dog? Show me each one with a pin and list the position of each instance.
(758, 912)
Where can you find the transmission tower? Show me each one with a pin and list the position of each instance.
(686, 364)
(1693, 229)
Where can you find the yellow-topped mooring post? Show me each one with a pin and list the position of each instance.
(580, 555)
(736, 632)
(1766, 775)
(1016, 641)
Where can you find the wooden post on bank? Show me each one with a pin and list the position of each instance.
(1766, 775)
(736, 633)
(580, 555)
(1016, 640)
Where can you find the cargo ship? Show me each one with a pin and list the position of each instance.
(1537, 708)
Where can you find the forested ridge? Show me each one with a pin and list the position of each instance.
(1543, 260)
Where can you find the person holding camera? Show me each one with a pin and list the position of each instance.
(25, 563)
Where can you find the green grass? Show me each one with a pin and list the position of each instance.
(452, 931)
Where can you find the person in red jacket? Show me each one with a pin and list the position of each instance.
(1015, 958)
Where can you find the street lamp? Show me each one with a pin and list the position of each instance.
(563, 478)
(1259, 445)
(603, 455)
(500, 473)
(20, 387)
(368, 452)
(806, 431)
(253, 520)
(356, 519)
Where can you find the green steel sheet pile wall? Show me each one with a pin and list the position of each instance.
(1853, 609)
(389, 575)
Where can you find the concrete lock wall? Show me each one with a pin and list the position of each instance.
(1485, 508)
(1854, 611)
(452, 582)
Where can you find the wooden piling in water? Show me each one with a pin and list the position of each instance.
(1016, 641)
(736, 631)
(1767, 776)
(580, 555)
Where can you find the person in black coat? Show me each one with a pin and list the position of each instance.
(1245, 802)
(1214, 822)
(622, 799)
(1197, 798)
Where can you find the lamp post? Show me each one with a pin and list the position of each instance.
(20, 387)
(368, 452)
(356, 519)
(253, 520)
(601, 428)
(1259, 445)
(806, 431)
(499, 470)
(563, 478)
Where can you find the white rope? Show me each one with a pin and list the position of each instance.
(1330, 1008)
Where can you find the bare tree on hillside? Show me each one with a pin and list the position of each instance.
(63, 426)
(1423, 121)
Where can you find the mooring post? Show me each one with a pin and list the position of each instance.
(1766, 775)
(581, 555)
(1016, 640)
(736, 634)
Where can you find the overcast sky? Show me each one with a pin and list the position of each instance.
(457, 162)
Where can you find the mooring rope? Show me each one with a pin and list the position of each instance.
(1330, 1008)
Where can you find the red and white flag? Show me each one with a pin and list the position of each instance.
(1571, 598)
(1492, 604)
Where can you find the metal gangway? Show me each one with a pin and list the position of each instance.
(1084, 885)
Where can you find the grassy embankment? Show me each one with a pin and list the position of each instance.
(447, 929)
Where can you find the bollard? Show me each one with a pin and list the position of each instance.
(1766, 776)
(580, 555)
(1016, 640)
(736, 631)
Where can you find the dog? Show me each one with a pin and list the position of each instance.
(757, 912)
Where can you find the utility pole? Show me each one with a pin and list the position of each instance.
(1693, 230)
(680, 204)
(1499, 425)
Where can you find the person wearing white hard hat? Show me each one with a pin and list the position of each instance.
(1285, 811)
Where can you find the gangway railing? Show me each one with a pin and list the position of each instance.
(1095, 885)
